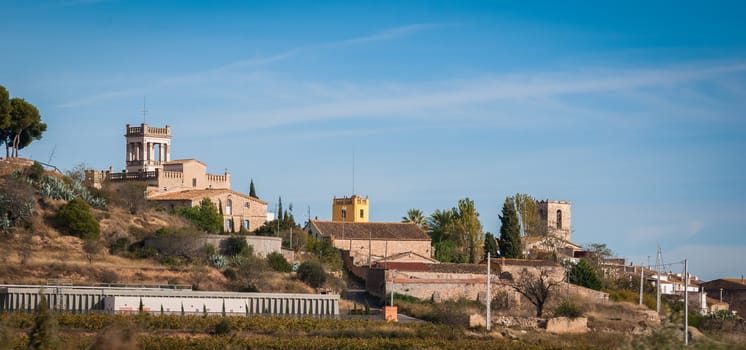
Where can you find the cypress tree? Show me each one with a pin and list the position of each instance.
(490, 245)
(279, 210)
(252, 190)
(220, 211)
(43, 334)
(510, 231)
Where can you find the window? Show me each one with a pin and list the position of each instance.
(246, 204)
(246, 224)
(228, 207)
(229, 225)
(194, 182)
(362, 213)
(344, 213)
(559, 219)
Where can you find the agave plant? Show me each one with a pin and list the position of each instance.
(218, 261)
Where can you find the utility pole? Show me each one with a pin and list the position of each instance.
(686, 302)
(393, 272)
(290, 243)
(370, 250)
(642, 272)
(489, 297)
(658, 282)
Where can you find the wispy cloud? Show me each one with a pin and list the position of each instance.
(83, 2)
(658, 232)
(253, 62)
(387, 34)
(88, 100)
(394, 100)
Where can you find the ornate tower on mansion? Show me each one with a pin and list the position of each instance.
(558, 217)
(147, 147)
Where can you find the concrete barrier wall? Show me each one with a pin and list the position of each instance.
(87, 299)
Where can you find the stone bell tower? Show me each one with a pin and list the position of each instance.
(558, 217)
(147, 147)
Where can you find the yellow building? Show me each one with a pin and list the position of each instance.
(350, 209)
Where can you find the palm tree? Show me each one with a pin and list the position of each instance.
(415, 216)
(440, 224)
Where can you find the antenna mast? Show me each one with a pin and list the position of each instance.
(353, 173)
(144, 111)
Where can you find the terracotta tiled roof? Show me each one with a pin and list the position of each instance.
(375, 230)
(392, 258)
(436, 268)
(198, 194)
(735, 280)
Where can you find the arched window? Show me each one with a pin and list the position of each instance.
(559, 219)
(228, 207)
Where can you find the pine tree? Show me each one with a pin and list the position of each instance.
(252, 190)
(43, 334)
(583, 274)
(510, 231)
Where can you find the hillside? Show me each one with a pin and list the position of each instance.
(35, 250)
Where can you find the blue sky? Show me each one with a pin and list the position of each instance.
(632, 111)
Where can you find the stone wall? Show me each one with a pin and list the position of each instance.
(381, 249)
(566, 325)
(263, 245)
(452, 285)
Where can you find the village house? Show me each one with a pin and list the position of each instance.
(368, 242)
(728, 290)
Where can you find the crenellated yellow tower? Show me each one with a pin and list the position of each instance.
(350, 209)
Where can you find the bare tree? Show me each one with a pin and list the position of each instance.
(537, 288)
(91, 248)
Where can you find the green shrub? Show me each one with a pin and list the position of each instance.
(205, 216)
(35, 171)
(230, 274)
(223, 327)
(312, 273)
(119, 246)
(632, 297)
(235, 245)
(568, 309)
(109, 276)
(583, 274)
(323, 248)
(76, 219)
(278, 263)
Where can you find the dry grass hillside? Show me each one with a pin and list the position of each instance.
(36, 251)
